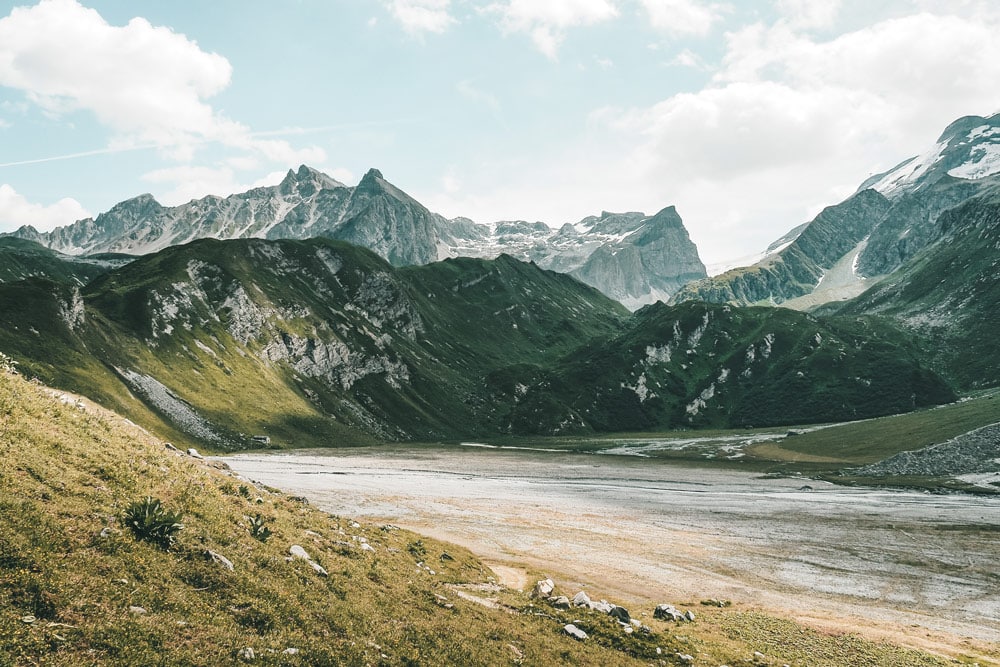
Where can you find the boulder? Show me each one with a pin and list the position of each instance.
(581, 599)
(192, 452)
(602, 606)
(667, 612)
(620, 614)
(574, 632)
(543, 588)
(559, 602)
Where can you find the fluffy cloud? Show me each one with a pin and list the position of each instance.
(16, 211)
(147, 83)
(547, 22)
(790, 123)
(421, 16)
(682, 17)
(809, 13)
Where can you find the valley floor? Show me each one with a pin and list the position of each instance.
(911, 568)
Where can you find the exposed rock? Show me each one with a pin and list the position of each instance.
(977, 451)
(136, 609)
(581, 599)
(602, 606)
(667, 612)
(298, 552)
(220, 559)
(170, 446)
(543, 589)
(192, 452)
(574, 632)
(620, 614)
(689, 615)
(246, 654)
(559, 602)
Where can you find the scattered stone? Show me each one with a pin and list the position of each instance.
(290, 651)
(543, 588)
(559, 602)
(667, 612)
(446, 556)
(313, 533)
(620, 614)
(170, 447)
(298, 552)
(689, 615)
(712, 602)
(28, 619)
(107, 532)
(355, 524)
(685, 658)
(574, 632)
(136, 609)
(805, 487)
(628, 629)
(246, 654)
(220, 559)
(192, 452)
(581, 599)
(602, 606)
(367, 547)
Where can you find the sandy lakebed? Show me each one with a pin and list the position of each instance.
(914, 568)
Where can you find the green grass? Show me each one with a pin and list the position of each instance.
(73, 577)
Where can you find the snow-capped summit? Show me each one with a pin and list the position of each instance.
(969, 148)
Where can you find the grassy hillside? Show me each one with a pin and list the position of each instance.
(78, 586)
(705, 365)
(20, 259)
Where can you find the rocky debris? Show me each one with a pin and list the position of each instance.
(620, 614)
(667, 612)
(712, 602)
(170, 446)
(290, 651)
(446, 556)
(246, 654)
(298, 552)
(574, 632)
(977, 451)
(689, 615)
(543, 589)
(192, 452)
(581, 599)
(136, 609)
(685, 658)
(442, 601)
(559, 601)
(220, 559)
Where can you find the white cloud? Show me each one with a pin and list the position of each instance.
(682, 17)
(146, 83)
(791, 122)
(4, 124)
(809, 13)
(421, 16)
(688, 58)
(16, 211)
(546, 22)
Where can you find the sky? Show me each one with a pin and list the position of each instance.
(748, 116)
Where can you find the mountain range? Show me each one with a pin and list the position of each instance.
(631, 257)
(370, 336)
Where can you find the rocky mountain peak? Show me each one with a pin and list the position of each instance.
(373, 182)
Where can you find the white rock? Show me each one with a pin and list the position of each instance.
(574, 632)
(543, 588)
(192, 452)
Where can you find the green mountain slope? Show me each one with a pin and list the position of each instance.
(949, 295)
(310, 342)
(700, 364)
(20, 259)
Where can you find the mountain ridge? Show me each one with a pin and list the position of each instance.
(632, 257)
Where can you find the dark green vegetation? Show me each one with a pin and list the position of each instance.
(949, 294)
(77, 587)
(20, 259)
(322, 343)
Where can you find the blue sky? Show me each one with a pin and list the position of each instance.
(748, 116)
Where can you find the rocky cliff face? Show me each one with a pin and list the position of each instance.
(632, 257)
(886, 224)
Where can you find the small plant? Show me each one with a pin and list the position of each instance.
(417, 549)
(257, 528)
(244, 491)
(150, 522)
